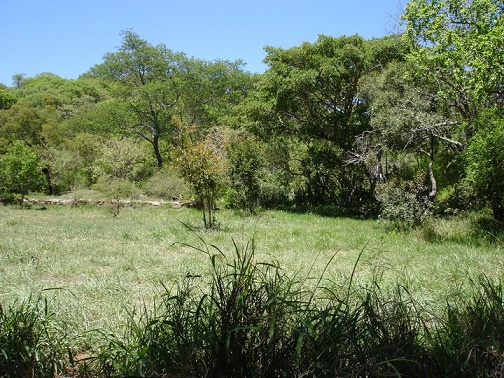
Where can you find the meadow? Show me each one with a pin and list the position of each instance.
(97, 270)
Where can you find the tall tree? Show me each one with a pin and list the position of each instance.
(405, 119)
(209, 91)
(144, 79)
(310, 93)
(457, 44)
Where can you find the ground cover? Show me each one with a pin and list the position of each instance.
(86, 290)
(98, 266)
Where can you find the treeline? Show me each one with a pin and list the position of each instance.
(402, 126)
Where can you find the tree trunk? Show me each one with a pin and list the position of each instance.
(433, 191)
(432, 178)
(155, 144)
(47, 175)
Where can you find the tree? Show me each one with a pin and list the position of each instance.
(20, 172)
(203, 168)
(405, 119)
(458, 46)
(457, 49)
(21, 122)
(143, 78)
(246, 165)
(485, 165)
(208, 93)
(18, 79)
(125, 159)
(7, 98)
(310, 94)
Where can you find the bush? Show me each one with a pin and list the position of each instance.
(404, 202)
(165, 184)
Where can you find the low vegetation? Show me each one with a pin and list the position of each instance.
(147, 292)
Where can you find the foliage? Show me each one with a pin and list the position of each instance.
(209, 91)
(20, 172)
(485, 165)
(48, 90)
(71, 165)
(204, 170)
(246, 171)
(144, 78)
(117, 190)
(405, 202)
(309, 94)
(457, 46)
(468, 340)
(7, 98)
(406, 119)
(166, 184)
(124, 158)
(21, 122)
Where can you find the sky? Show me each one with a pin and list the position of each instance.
(68, 37)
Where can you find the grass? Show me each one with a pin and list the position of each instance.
(106, 264)
(140, 278)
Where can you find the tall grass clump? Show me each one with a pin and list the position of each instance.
(469, 339)
(253, 319)
(366, 332)
(32, 340)
(235, 322)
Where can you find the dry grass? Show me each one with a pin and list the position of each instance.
(103, 265)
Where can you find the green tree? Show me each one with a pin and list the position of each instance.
(18, 79)
(458, 46)
(144, 79)
(209, 92)
(457, 49)
(20, 172)
(22, 122)
(7, 98)
(246, 171)
(310, 94)
(203, 168)
(405, 119)
(123, 158)
(485, 165)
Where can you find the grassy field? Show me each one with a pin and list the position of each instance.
(94, 267)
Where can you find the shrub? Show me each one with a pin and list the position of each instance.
(246, 168)
(20, 172)
(165, 184)
(405, 202)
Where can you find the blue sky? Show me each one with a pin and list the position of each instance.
(67, 37)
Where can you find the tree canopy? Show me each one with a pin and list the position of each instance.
(362, 126)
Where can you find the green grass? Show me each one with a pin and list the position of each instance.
(121, 287)
(106, 264)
